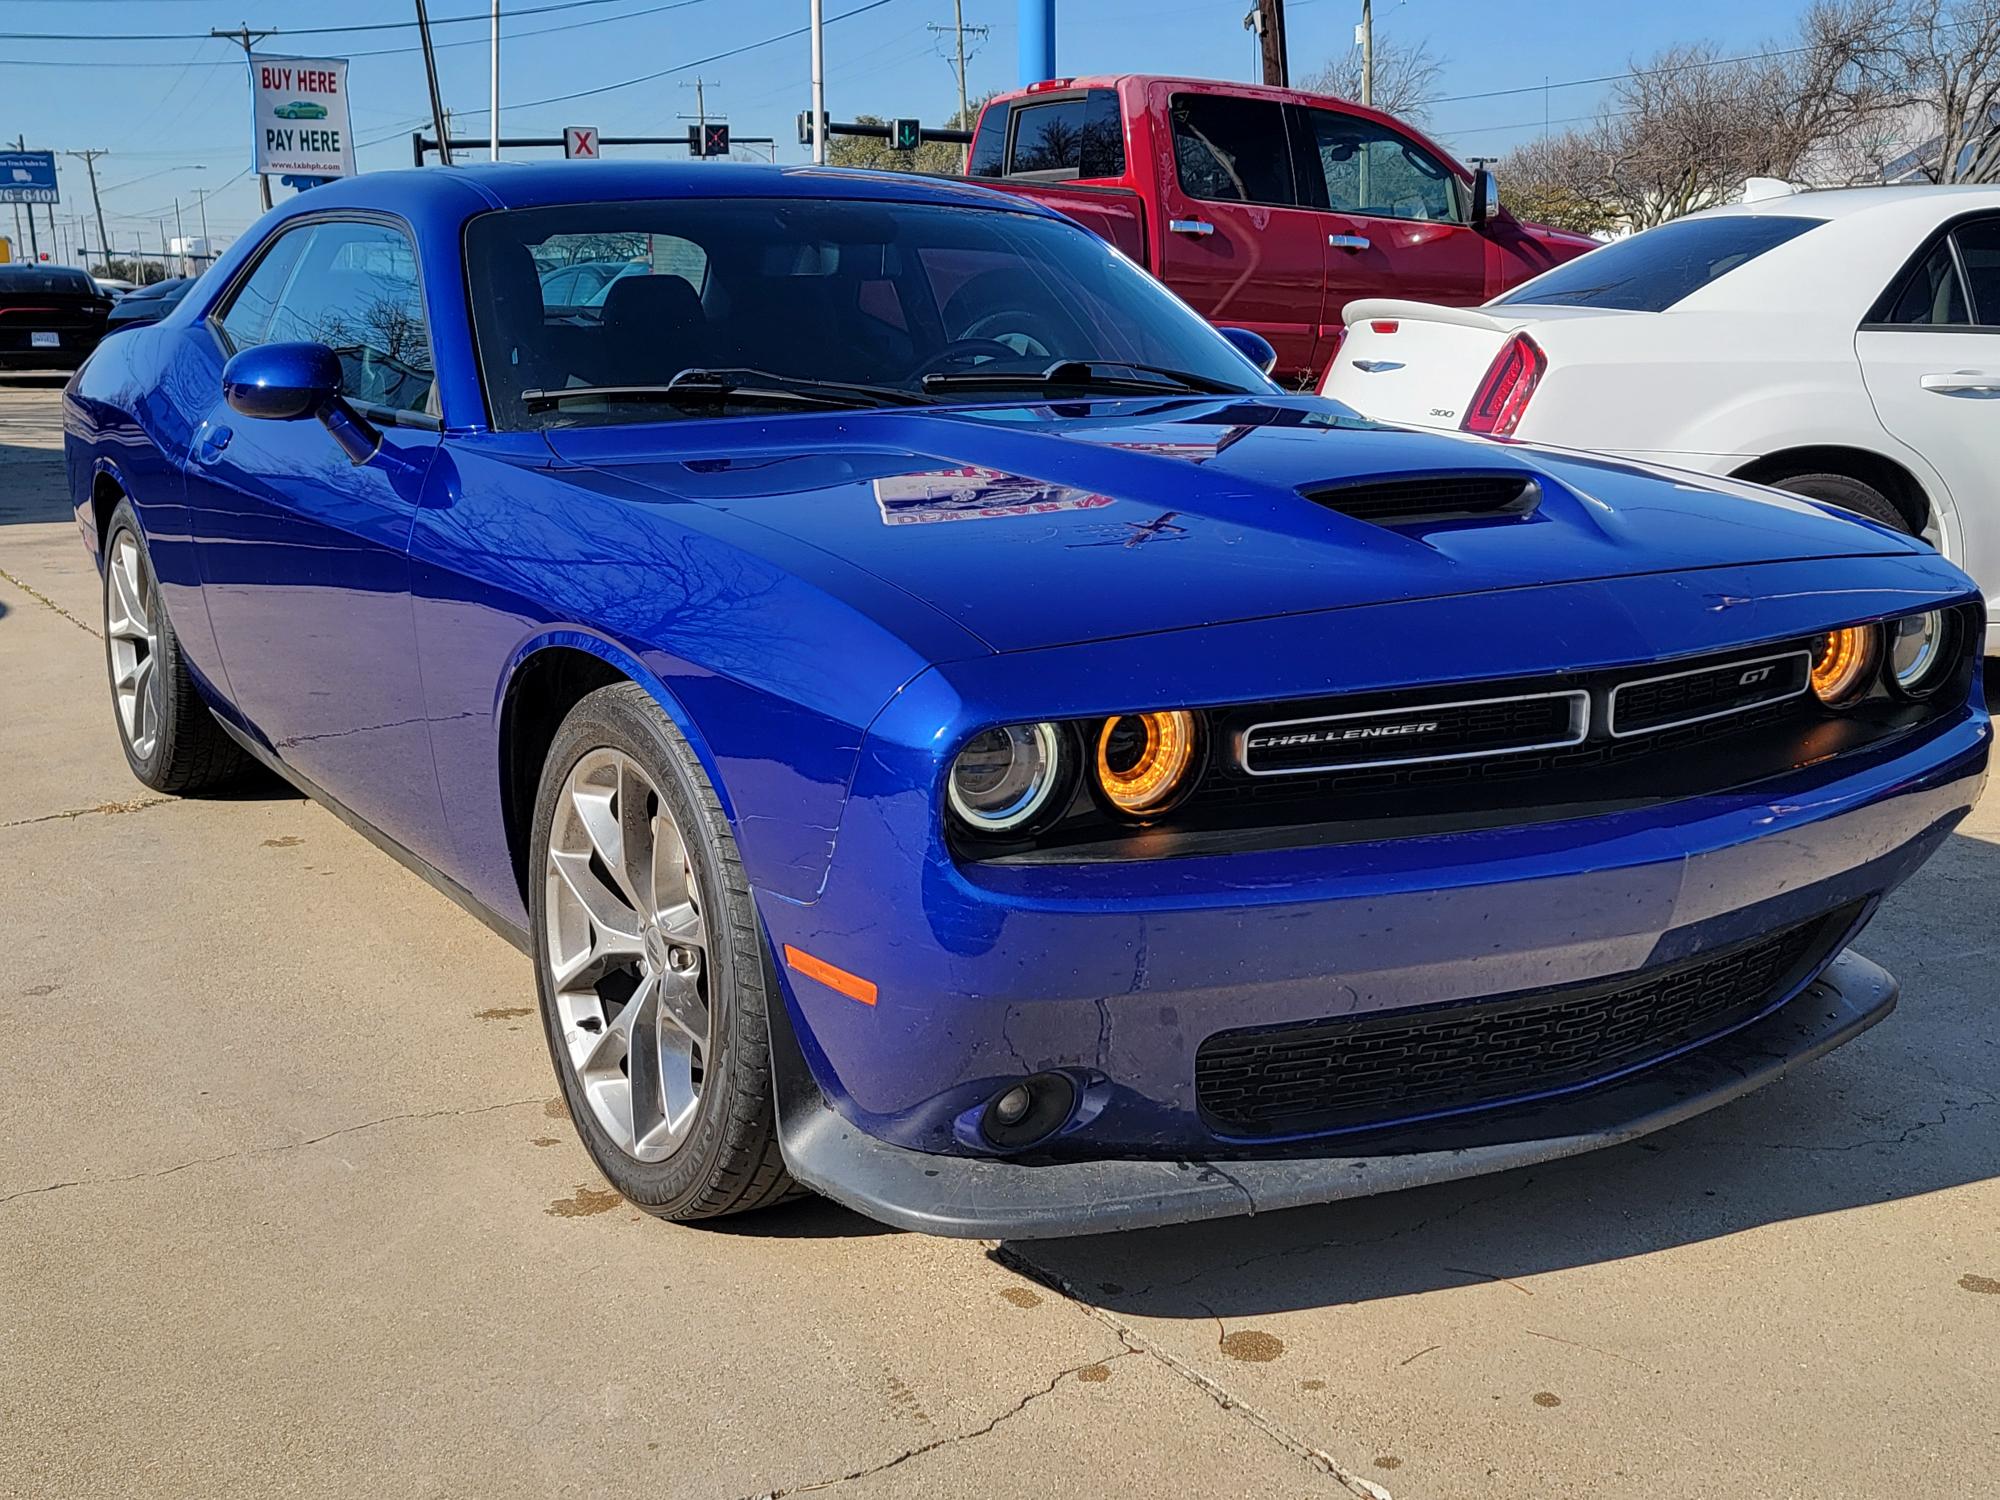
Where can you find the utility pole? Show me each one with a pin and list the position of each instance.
(700, 115)
(431, 76)
(245, 38)
(181, 235)
(1365, 34)
(493, 106)
(1267, 21)
(89, 159)
(958, 28)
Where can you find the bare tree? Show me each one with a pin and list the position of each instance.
(1406, 77)
(1950, 56)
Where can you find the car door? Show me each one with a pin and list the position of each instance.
(1930, 354)
(1239, 247)
(304, 554)
(1395, 217)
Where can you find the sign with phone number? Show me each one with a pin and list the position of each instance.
(28, 177)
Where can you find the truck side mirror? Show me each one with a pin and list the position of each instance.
(1485, 197)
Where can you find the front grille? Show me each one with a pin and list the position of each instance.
(1378, 1070)
(1432, 732)
(1430, 498)
(1703, 693)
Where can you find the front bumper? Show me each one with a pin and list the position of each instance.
(975, 1198)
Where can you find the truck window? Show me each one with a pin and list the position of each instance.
(989, 144)
(1077, 136)
(1231, 150)
(1370, 169)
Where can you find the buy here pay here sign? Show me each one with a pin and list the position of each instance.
(299, 105)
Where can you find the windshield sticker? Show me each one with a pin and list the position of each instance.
(973, 494)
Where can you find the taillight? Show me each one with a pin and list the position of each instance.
(1505, 389)
(1332, 359)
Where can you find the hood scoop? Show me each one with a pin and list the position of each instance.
(1425, 499)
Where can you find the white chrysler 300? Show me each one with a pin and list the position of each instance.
(1843, 345)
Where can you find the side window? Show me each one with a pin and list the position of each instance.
(355, 290)
(1370, 169)
(1931, 296)
(244, 321)
(1079, 136)
(1979, 254)
(1231, 150)
(989, 144)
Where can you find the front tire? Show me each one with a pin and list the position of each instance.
(650, 966)
(1849, 494)
(171, 740)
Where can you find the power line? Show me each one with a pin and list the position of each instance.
(179, 36)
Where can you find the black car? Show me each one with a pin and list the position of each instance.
(51, 317)
(148, 304)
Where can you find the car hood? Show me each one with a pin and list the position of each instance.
(1052, 524)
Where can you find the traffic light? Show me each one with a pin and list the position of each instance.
(905, 135)
(708, 140)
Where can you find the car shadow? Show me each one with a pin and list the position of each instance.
(1906, 1110)
(31, 475)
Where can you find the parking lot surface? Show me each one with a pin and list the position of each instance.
(287, 1206)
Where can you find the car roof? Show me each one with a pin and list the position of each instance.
(538, 184)
(1945, 200)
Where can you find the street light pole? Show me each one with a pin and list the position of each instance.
(819, 81)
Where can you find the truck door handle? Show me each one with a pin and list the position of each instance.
(1348, 241)
(1191, 226)
(1963, 381)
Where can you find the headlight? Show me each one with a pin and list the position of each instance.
(1843, 662)
(1146, 761)
(1916, 651)
(1004, 777)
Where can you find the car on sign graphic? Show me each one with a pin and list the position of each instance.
(1012, 793)
(300, 109)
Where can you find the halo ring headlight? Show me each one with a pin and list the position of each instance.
(1005, 778)
(1844, 663)
(1917, 649)
(1146, 762)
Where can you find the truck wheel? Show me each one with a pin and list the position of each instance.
(649, 959)
(171, 740)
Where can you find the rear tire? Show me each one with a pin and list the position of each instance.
(1849, 494)
(171, 740)
(650, 966)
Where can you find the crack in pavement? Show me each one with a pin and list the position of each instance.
(109, 809)
(41, 598)
(1210, 1387)
(248, 1151)
(944, 1442)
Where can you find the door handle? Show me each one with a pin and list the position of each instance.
(1191, 226)
(1962, 380)
(1348, 241)
(213, 440)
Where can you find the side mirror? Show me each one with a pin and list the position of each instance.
(1485, 198)
(284, 382)
(1253, 347)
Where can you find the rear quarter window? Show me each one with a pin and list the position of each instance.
(1650, 272)
(1079, 135)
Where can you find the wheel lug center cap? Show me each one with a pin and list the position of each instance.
(655, 943)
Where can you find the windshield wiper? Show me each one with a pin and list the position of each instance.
(700, 387)
(1084, 374)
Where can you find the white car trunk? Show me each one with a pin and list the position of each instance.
(1418, 364)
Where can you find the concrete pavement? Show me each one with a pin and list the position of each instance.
(287, 1207)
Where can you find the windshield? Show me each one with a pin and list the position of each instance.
(1652, 271)
(622, 295)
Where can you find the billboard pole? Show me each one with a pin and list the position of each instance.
(245, 38)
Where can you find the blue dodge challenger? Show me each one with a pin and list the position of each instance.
(954, 736)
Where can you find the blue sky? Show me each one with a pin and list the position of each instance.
(174, 114)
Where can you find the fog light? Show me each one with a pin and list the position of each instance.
(1843, 663)
(1026, 1113)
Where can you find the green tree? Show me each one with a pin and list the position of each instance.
(945, 157)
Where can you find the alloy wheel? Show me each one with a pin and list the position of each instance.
(131, 626)
(628, 955)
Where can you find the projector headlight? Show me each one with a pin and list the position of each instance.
(1005, 779)
(1918, 651)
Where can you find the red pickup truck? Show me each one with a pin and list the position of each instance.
(1265, 208)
